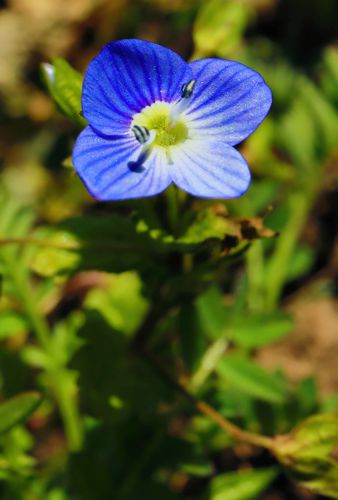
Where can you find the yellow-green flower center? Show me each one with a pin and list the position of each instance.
(157, 117)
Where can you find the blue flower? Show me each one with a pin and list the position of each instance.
(155, 119)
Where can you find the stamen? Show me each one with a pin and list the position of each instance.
(146, 138)
(141, 133)
(182, 104)
(138, 165)
(188, 88)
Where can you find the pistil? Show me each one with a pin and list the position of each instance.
(161, 125)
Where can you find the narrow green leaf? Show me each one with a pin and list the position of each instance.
(250, 378)
(257, 330)
(244, 485)
(18, 409)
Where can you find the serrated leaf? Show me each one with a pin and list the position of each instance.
(250, 378)
(17, 409)
(65, 86)
(243, 485)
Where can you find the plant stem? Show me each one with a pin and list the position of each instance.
(255, 271)
(278, 266)
(171, 195)
(209, 361)
(64, 392)
(207, 410)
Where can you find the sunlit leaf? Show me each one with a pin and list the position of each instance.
(65, 85)
(18, 409)
(120, 301)
(11, 323)
(242, 485)
(220, 25)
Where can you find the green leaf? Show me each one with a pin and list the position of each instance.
(301, 261)
(329, 77)
(10, 324)
(256, 330)
(18, 409)
(56, 255)
(220, 25)
(296, 132)
(65, 85)
(250, 378)
(212, 312)
(120, 301)
(115, 243)
(104, 361)
(323, 115)
(243, 485)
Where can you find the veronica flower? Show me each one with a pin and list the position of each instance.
(155, 120)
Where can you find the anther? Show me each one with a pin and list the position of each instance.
(146, 138)
(142, 134)
(187, 89)
(183, 103)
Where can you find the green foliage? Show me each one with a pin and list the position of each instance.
(17, 410)
(251, 379)
(140, 322)
(11, 324)
(192, 337)
(245, 485)
(64, 85)
(220, 25)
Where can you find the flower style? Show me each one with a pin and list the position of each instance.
(155, 119)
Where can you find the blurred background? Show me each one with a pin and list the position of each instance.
(294, 159)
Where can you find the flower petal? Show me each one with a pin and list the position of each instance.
(127, 76)
(230, 100)
(106, 166)
(210, 169)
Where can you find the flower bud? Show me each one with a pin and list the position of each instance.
(310, 452)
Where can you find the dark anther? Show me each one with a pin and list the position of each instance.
(188, 88)
(141, 133)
